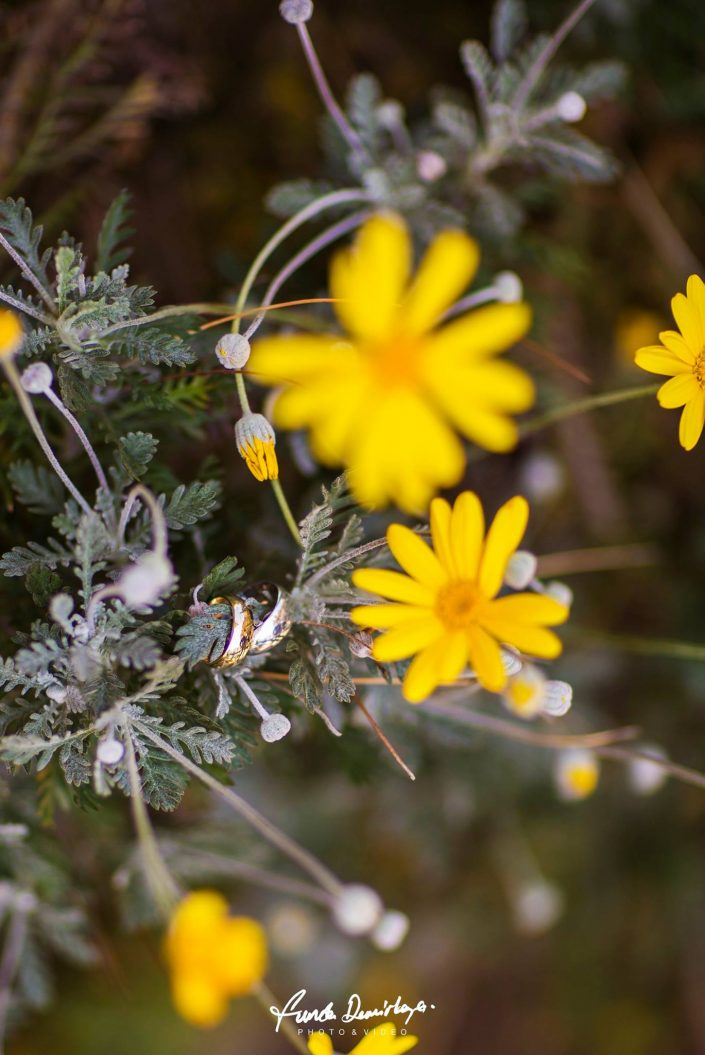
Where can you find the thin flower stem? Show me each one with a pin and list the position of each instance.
(644, 646)
(159, 880)
(328, 881)
(249, 873)
(28, 409)
(28, 274)
(75, 425)
(582, 406)
(244, 687)
(599, 558)
(381, 735)
(166, 313)
(331, 104)
(337, 230)
(160, 537)
(352, 554)
(510, 731)
(286, 512)
(685, 774)
(530, 79)
(269, 1002)
(20, 305)
(12, 953)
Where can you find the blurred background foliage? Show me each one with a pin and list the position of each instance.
(199, 108)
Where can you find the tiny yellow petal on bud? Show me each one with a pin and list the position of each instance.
(256, 440)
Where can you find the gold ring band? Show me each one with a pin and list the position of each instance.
(241, 631)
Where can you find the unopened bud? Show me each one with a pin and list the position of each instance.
(646, 776)
(430, 166)
(37, 378)
(571, 107)
(508, 286)
(146, 580)
(560, 592)
(577, 773)
(557, 698)
(233, 351)
(295, 11)
(274, 728)
(255, 440)
(358, 909)
(391, 931)
(110, 751)
(521, 569)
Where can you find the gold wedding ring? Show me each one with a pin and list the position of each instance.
(275, 623)
(241, 631)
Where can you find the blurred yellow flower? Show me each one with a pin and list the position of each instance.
(381, 1040)
(10, 333)
(385, 403)
(635, 328)
(577, 774)
(681, 357)
(446, 611)
(212, 957)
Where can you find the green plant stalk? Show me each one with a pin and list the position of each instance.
(159, 880)
(582, 406)
(286, 511)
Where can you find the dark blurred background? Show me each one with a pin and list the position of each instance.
(198, 109)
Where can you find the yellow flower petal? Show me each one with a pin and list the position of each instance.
(673, 341)
(369, 278)
(481, 333)
(467, 530)
(445, 271)
(533, 640)
(320, 1044)
(198, 1001)
(440, 520)
(529, 608)
(424, 673)
(692, 421)
(384, 616)
(407, 639)
(677, 391)
(10, 332)
(503, 538)
(486, 659)
(241, 955)
(416, 558)
(485, 427)
(492, 385)
(695, 292)
(688, 322)
(393, 585)
(276, 360)
(383, 1040)
(658, 360)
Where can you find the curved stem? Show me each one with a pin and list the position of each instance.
(159, 529)
(539, 64)
(28, 409)
(77, 428)
(28, 273)
(20, 305)
(328, 881)
(581, 406)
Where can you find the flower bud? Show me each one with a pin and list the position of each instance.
(521, 570)
(646, 777)
(255, 440)
(37, 379)
(511, 662)
(110, 751)
(560, 592)
(56, 693)
(146, 580)
(358, 909)
(537, 906)
(508, 287)
(391, 931)
(524, 692)
(571, 107)
(233, 351)
(557, 698)
(274, 728)
(296, 11)
(577, 773)
(11, 333)
(430, 166)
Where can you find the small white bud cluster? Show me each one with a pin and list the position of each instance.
(529, 693)
(296, 11)
(521, 570)
(144, 582)
(233, 351)
(359, 910)
(37, 379)
(571, 107)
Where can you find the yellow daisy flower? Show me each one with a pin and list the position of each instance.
(681, 357)
(381, 1040)
(445, 610)
(385, 403)
(10, 333)
(212, 957)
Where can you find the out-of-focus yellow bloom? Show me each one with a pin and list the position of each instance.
(255, 440)
(10, 333)
(385, 403)
(635, 328)
(577, 774)
(381, 1040)
(212, 957)
(681, 356)
(524, 692)
(446, 611)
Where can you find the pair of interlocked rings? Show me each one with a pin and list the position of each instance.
(247, 634)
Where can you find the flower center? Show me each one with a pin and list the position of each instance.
(395, 360)
(699, 369)
(457, 605)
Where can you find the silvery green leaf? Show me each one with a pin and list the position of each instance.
(508, 27)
